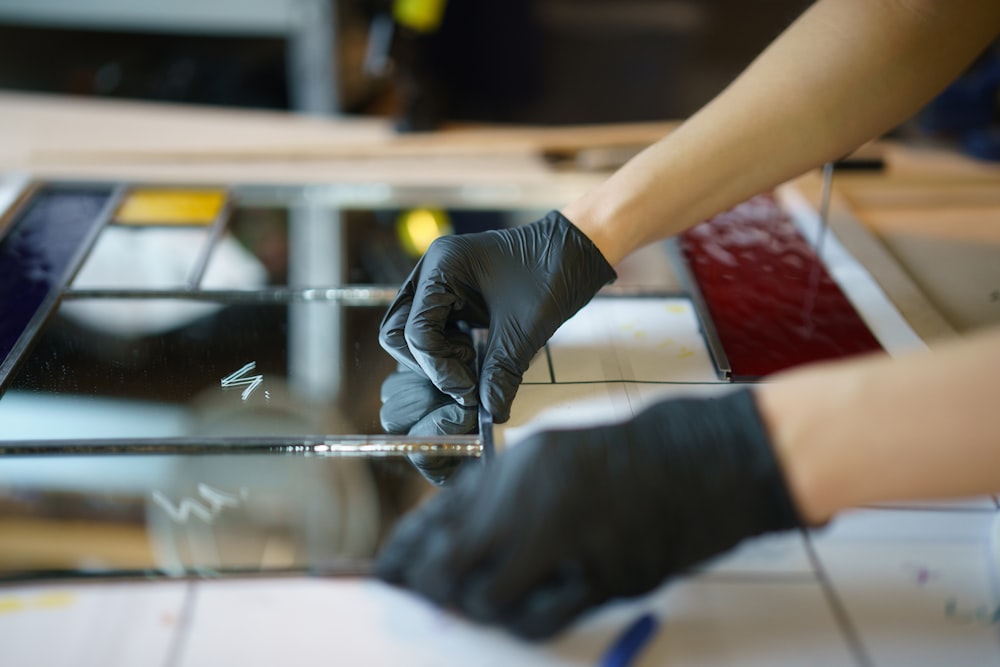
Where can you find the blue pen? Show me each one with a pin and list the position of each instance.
(628, 645)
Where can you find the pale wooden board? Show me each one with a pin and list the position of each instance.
(41, 130)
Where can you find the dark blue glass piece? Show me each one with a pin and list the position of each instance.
(39, 254)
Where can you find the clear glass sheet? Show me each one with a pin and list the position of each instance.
(373, 245)
(184, 368)
(131, 435)
(207, 403)
(142, 258)
(199, 515)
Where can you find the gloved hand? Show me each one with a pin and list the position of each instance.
(521, 283)
(569, 519)
(412, 405)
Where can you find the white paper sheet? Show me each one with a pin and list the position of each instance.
(918, 586)
(89, 625)
(632, 339)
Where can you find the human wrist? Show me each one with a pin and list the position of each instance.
(785, 411)
(598, 227)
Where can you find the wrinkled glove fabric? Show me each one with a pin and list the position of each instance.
(520, 283)
(567, 520)
(411, 405)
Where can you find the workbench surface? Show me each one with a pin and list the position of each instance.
(913, 584)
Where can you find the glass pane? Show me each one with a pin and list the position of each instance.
(253, 252)
(174, 368)
(39, 249)
(336, 246)
(128, 257)
(199, 515)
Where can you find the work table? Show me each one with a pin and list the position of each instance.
(913, 583)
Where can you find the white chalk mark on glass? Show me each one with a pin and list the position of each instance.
(215, 502)
(240, 379)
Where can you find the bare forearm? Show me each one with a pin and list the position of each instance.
(924, 425)
(845, 72)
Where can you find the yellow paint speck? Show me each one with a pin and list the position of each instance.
(51, 600)
(684, 353)
(55, 599)
(10, 605)
(677, 308)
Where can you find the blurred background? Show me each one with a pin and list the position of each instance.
(421, 61)
(426, 63)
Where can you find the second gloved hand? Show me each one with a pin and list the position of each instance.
(569, 519)
(521, 283)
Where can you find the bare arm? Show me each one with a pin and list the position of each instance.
(843, 73)
(926, 425)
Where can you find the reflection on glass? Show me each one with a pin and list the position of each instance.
(198, 515)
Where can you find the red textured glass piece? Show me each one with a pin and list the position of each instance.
(773, 304)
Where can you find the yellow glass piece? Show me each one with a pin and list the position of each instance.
(167, 206)
(417, 229)
(420, 15)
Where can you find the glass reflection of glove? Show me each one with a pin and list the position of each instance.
(569, 519)
(521, 283)
(411, 405)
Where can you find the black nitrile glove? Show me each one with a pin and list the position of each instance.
(412, 405)
(570, 519)
(520, 283)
